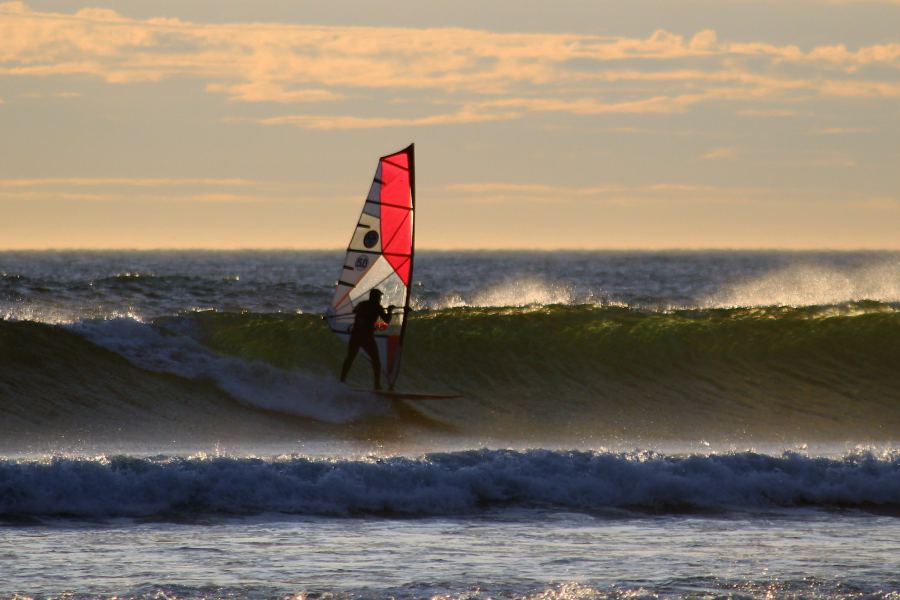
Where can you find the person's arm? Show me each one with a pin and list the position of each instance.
(386, 315)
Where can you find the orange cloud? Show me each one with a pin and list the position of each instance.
(487, 75)
(119, 181)
(264, 91)
(879, 203)
(351, 122)
(612, 194)
(719, 154)
(767, 112)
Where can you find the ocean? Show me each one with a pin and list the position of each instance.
(680, 424)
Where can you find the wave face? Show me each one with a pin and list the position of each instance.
(828, 372)
(559, 348)
(586, 372)
(459, 483)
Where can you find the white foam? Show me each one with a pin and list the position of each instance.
(254, 383)
(517, 293)
(58, 315)
(810, 285)
(455, 483)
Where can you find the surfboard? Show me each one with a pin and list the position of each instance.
(394, 395)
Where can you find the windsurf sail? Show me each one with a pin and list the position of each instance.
(380, 255)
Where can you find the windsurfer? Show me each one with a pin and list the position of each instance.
(362, 334)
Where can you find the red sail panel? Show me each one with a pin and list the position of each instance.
(396, 213)
(380, 255)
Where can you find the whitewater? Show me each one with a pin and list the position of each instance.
(632, 424)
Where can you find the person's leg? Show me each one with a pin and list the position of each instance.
(352, 349)
(371, 349)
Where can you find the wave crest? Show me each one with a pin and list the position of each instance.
(457, 483)
(811, 285)
(516, 294)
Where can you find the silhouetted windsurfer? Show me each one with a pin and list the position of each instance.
(362, 335)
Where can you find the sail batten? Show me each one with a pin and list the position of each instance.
(380, 255)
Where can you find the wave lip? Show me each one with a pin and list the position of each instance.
(809, 285)
(445, 484)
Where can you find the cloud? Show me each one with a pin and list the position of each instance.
(495, 110)
(43, 195)
(560, 190)
(39, 95)
(223, 198)
(119, 181)
(484, 75)
(150, 190)
(352, 122)
(532, 189)
(860, 89)
(266, 91)
(842, 130)
(835, 160)
(619, 194)
(155, 196)
(31, 195)
(658, 195)
(592, 106)
(768, 112)
(719, 154)
(884, 203)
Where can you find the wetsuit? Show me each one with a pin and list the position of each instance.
(362, 335)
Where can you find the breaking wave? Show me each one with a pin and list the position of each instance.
(794, 374)
(458, 483)
(255, 383)
(812, 286)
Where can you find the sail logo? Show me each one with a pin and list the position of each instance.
(370, 239)
(362, 262)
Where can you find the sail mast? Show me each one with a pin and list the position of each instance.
(411, 157)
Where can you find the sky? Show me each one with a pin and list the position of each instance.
(632, 124)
